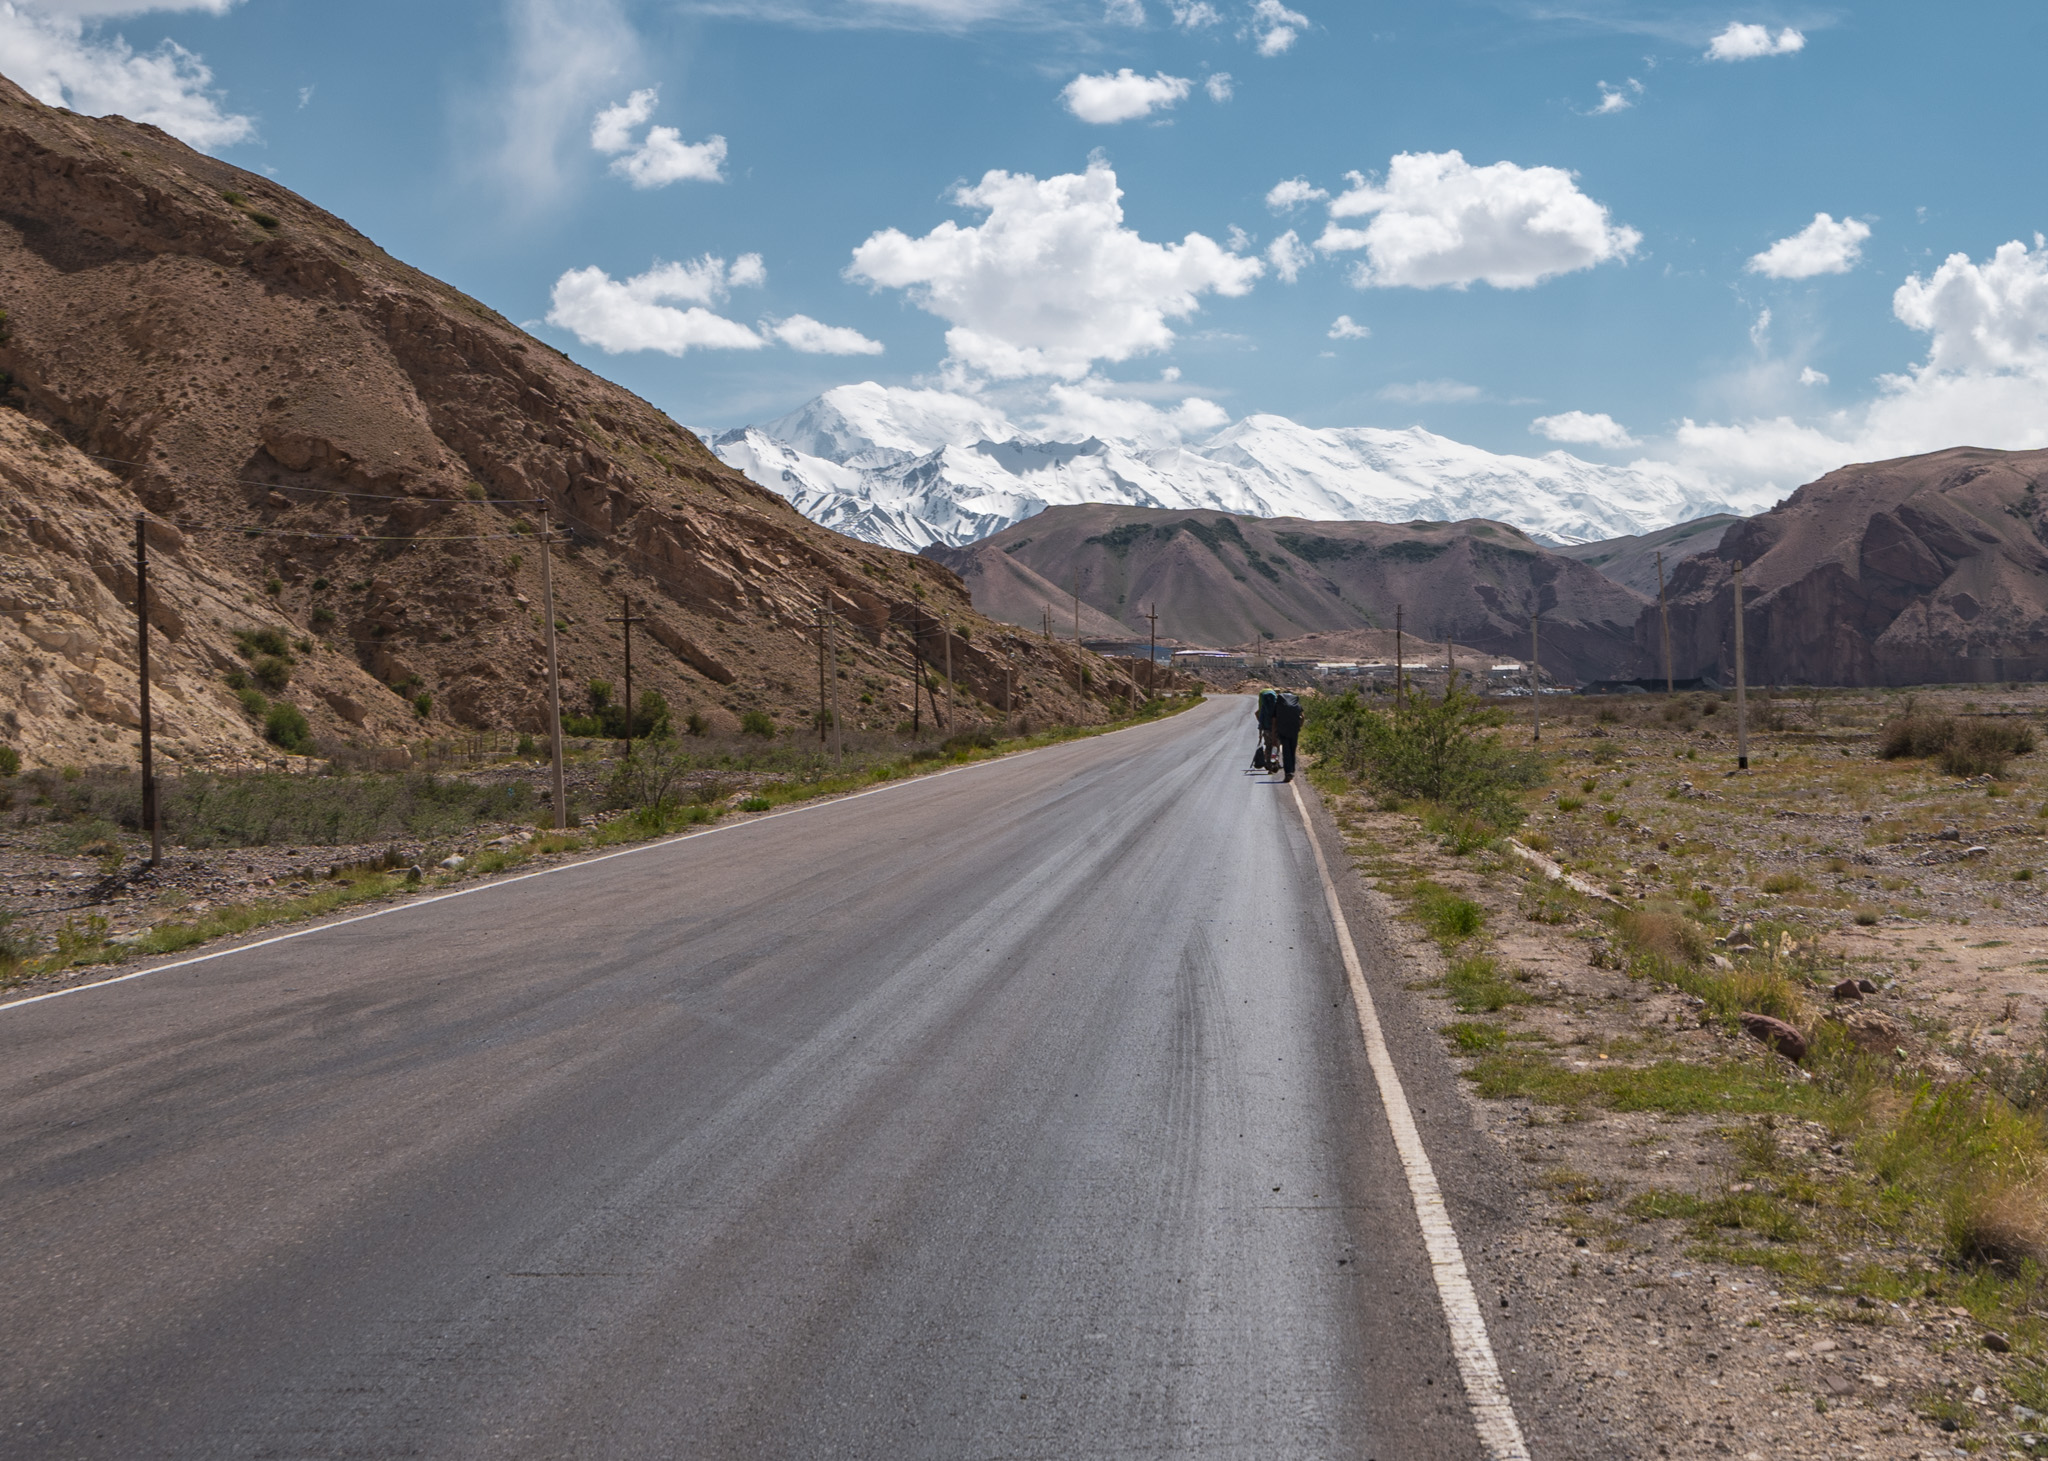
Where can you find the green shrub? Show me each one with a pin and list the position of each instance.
(974, 740)
(1432, 750)
(255, 642)
(252, 701)
(526, 746)
(323, 617)
(10, 761)
(1962, 746)
(650, 719)
(756, 804)
(1784, 883)
(757, 723)
(284, 724)
(423, 705)
(16, 948)
(1984, 747)
(694, 724)
(272, 671)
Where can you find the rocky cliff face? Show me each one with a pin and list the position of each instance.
(1225, 580)
(1923, 570)
(359, 455)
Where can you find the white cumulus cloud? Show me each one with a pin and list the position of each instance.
(1811, 377)
(613, 128)
(1220, 87)
(802, 333)
(1291, 193)
(1289, 256)
(662, 156)
(54, 58)
(1822, 247)
(1275, 27)
(1346, 328)
(1617, 98)
(1587, 428)
(1437, 220)
(1124, 12)
(1982, 317)
(1194, 14)
(1122, 96)
(1051, 280)
(1983, 382)
(1741, 42)
(642, 313)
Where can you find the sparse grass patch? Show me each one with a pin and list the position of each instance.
(1667, 1085)
(1448, 918)
(1476, 982)
(1473, 1035)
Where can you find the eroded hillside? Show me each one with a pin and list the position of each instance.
(1222, 579)
(364, 454)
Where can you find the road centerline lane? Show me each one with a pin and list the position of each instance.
(1007, 1117)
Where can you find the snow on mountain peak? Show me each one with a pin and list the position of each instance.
(908, 467)
(876, 423)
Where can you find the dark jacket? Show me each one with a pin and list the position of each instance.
(1269, 705)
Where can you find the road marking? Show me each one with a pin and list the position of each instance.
(1493, 1413)
(564, 867)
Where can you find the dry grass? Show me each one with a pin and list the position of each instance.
(1662, 932)
(2003, 1222)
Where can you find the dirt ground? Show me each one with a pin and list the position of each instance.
(1923, 884)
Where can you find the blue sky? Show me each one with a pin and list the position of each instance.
(1596, 257)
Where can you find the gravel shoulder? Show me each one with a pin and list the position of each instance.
(1704, 1264)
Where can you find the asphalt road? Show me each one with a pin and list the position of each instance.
(1016, 1112)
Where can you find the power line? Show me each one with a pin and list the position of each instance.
(326, 491)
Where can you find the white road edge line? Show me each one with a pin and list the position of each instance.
(558, 868)
(1493, 1413)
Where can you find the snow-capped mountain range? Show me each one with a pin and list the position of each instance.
(907, 467)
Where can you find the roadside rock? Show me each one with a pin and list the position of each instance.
(1775, 1033)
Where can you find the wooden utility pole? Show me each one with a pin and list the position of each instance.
(946, 627)
(1741, 683)
(1450, 665)
(1399, 675)
(822, 710)
(1535, 678)
(1152, 659)
(916, 680)
(156, 850)
(1664, 614)
(547, 594)
(838, 730)
(626, 621)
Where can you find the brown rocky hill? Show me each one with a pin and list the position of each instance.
(1922, 570)
(1224, 580)
(357, 454)
(1632, 561)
